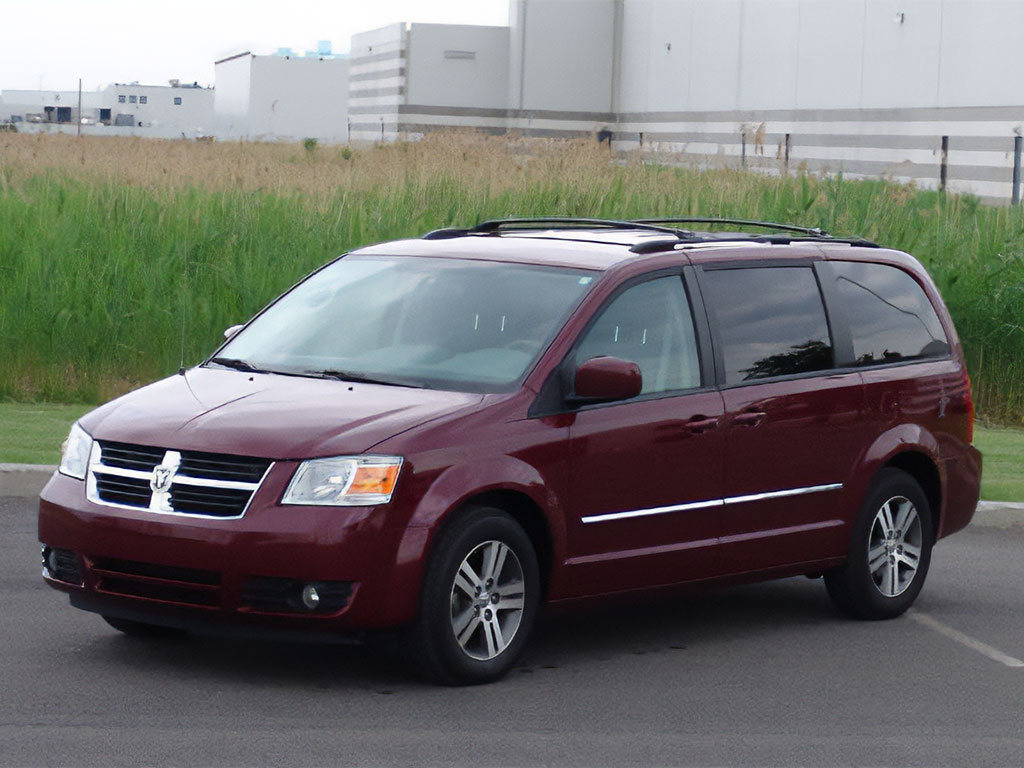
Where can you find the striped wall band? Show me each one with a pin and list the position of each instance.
(727, 501)
(1010, 115)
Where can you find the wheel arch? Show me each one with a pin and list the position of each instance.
(926, 474)
(508, 484)
(525, 511)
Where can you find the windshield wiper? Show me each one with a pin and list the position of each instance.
(236, 363)
(391, 381)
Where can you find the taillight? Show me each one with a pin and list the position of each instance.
(970, 407)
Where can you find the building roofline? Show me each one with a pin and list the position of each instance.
(235, 56)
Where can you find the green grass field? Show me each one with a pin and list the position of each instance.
(31, 433)
(119, 259)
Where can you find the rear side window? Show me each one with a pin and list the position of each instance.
(889, 316)
(771, 322)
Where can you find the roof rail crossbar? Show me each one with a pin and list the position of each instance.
(814, 231)
(494, 226)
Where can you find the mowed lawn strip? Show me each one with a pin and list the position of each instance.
(1003, 475)
(31, 433)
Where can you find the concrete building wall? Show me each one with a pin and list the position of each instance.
(457, 66)
(564, 59)
(282, 98)
(292, 98)
(185, 111)
(700, 55)
(22, 102)
(378, 69)
(231, 96)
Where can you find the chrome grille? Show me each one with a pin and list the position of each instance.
(194, 483)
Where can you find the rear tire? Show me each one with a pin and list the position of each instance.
(890, 550)
(141, 630)
(478, 603)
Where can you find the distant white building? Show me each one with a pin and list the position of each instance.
(172, 111)
(157, 111)
(282, 97)
(47, 106)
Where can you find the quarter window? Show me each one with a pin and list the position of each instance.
(651, 325)
(890, 317)
(771, 322)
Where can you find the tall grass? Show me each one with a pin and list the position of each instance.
(119, 259)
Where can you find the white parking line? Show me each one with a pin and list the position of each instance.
(970, 642)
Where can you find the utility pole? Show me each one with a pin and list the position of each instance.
(79, 134)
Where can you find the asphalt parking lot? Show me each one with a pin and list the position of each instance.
(764, 674)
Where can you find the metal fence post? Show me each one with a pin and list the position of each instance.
(785, 162)
(944, 164)
(743, 150)
(1016, 170)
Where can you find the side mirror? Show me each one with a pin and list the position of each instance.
(233, 330)
(602, 379)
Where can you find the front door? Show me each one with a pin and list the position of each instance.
(646, 474)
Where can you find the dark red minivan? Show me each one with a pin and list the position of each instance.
(434, 437)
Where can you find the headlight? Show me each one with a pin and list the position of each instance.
(74, 453)
(344, 481)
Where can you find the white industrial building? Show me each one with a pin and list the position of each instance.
(157, 111)
(282, 97)
(866, 87)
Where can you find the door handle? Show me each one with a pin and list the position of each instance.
(700, 424)
(749, 418)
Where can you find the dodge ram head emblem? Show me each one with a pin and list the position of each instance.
(162, 477)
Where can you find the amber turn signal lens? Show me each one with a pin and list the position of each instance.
(374, 479)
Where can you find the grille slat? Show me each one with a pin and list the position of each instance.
(122, 490)
(206, 500)
(220, 502)
(219, 466)
(127, 456)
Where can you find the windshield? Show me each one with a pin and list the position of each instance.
(471, 326)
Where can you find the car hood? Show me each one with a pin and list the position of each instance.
(268, 415)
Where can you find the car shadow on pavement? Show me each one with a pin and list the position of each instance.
(592, 632)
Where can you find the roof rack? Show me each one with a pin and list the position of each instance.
(814, 231)
(815, 234)
(495, 226)
(676, 235)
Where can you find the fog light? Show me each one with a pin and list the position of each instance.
(51, 561)
(310, 597)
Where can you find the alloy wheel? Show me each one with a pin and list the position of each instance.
(894, 546)
(487, 599)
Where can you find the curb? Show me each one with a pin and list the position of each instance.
(998, 514)
(24, 480)
(27, 480)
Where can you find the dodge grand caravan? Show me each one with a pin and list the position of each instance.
(434, 437)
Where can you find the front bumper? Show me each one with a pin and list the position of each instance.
(240, 573)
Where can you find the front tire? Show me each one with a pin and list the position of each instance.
(479, 601)
(890, 550)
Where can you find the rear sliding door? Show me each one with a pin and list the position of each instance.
(793, 427)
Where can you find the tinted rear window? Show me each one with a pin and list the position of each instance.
(890, 317)
(771, 322)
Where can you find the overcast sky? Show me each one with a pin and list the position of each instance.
(49, 44)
